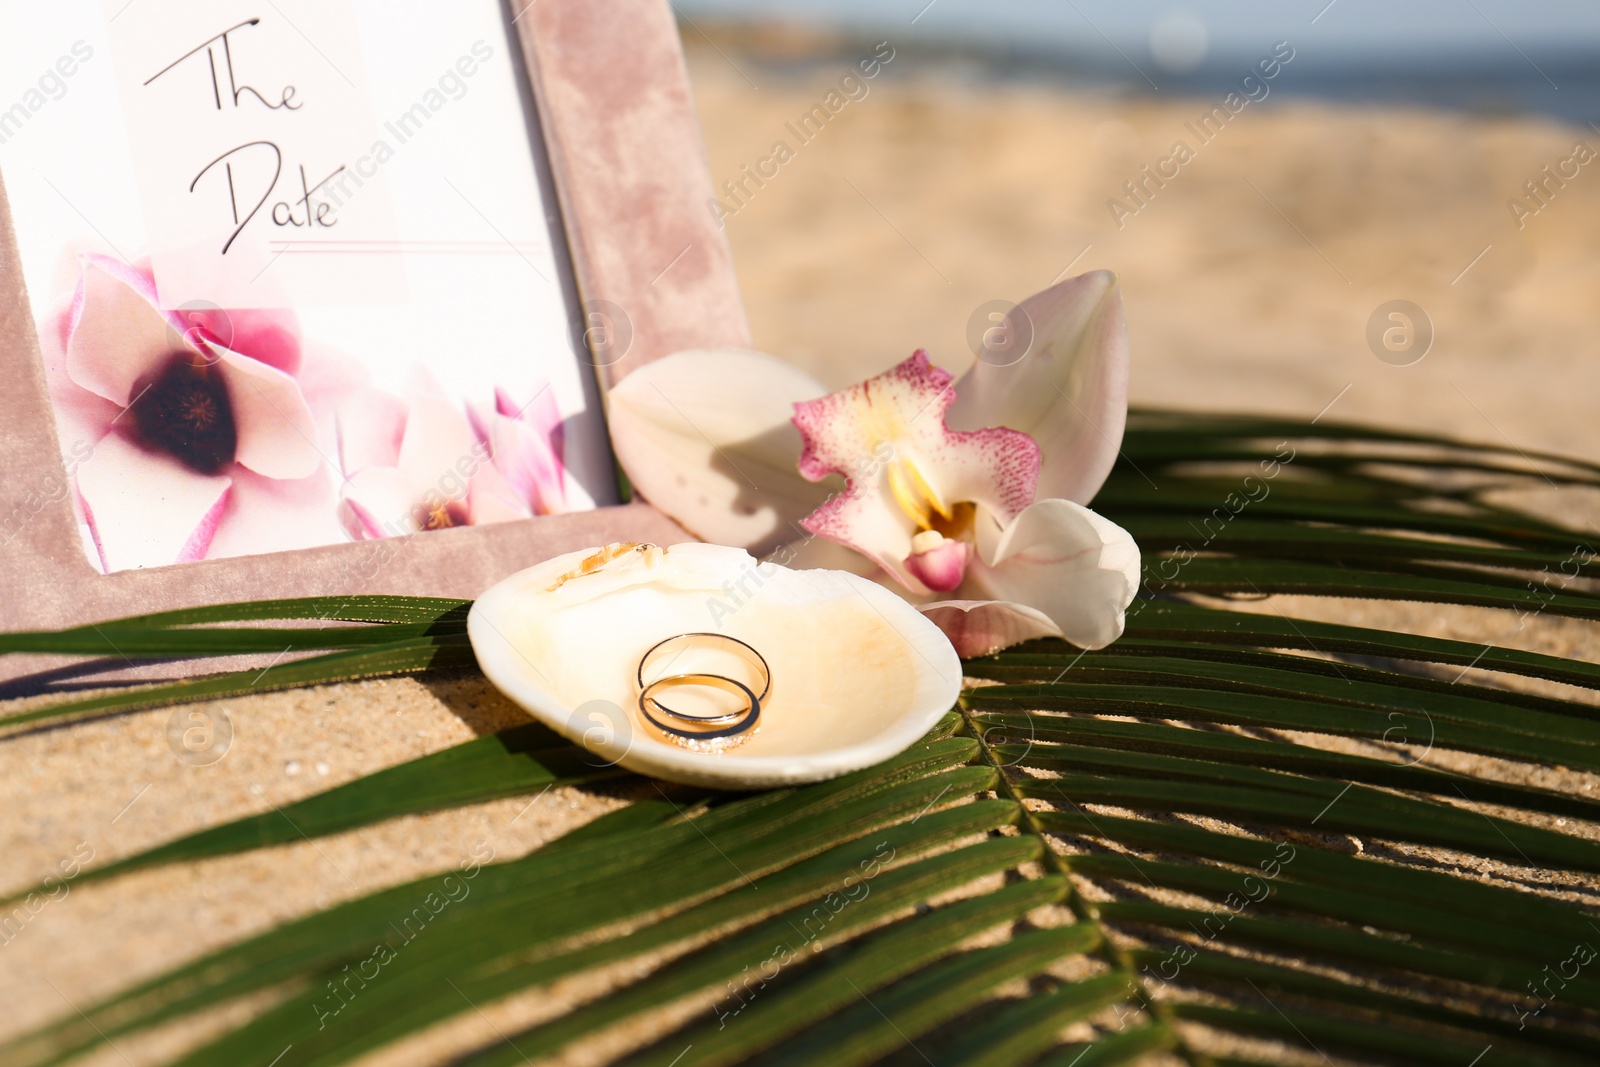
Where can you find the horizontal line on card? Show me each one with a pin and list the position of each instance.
(387, 246)
(404, 248)
(403, 251)
(374, 241)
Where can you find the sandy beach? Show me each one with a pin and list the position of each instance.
(1250, 275)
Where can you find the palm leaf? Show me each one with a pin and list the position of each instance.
(1098, 858)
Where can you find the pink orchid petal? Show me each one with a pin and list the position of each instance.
(270, 336)
(984, 627)
(56, 331)
(942, 567)
(885, 436)
(86, 531)
(330, 381)
(140, 276)
(441, 466)
(706, 437)
(144, 508)
(118, 338)
(1079, 569)
(482, 418)
(277, 515)
(542, 419)
(543, 413)
(82, 417)
(528, 463)
(328, 376)
(1069, 391)
(358, 522)
(378, 502)
(491, 499)
(370, 426)
(199, 544)
(277, 433)
(439, 451)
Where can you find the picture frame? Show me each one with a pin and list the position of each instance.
(615, 124)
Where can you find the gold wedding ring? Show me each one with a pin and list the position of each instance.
(705, 726)
(689, 728)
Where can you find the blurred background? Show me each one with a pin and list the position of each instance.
(1275, 182)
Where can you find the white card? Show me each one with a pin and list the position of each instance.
(349, 196)
(270, 121)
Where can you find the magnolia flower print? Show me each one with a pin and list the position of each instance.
(200, 427)
(195, 434)
(418, 462)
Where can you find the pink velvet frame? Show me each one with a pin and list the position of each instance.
(630, 175)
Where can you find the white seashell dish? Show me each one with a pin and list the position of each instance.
(856, 674)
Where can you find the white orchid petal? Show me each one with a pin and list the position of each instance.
(819, 553)
(867, 519)
(906, 470)
(1069, 392)
(984, 627)
(705, 436)
(1079, 569)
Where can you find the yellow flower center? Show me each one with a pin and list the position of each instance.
(914, 495)
(438, 518)
(923, 505)
(199, 411)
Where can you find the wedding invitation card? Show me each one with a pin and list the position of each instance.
(297, 271)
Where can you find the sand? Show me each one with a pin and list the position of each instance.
(1249, 279)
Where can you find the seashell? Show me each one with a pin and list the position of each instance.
(856, 674)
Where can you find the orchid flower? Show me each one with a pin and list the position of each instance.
(198, 427)
(969, 498)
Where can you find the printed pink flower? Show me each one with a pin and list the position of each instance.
(942, 482)
(200, 437)
(418, 463)
(526, 443)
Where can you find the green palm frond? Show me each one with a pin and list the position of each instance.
(413, 634)
(1233, 837)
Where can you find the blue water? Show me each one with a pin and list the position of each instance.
(1517, 56)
